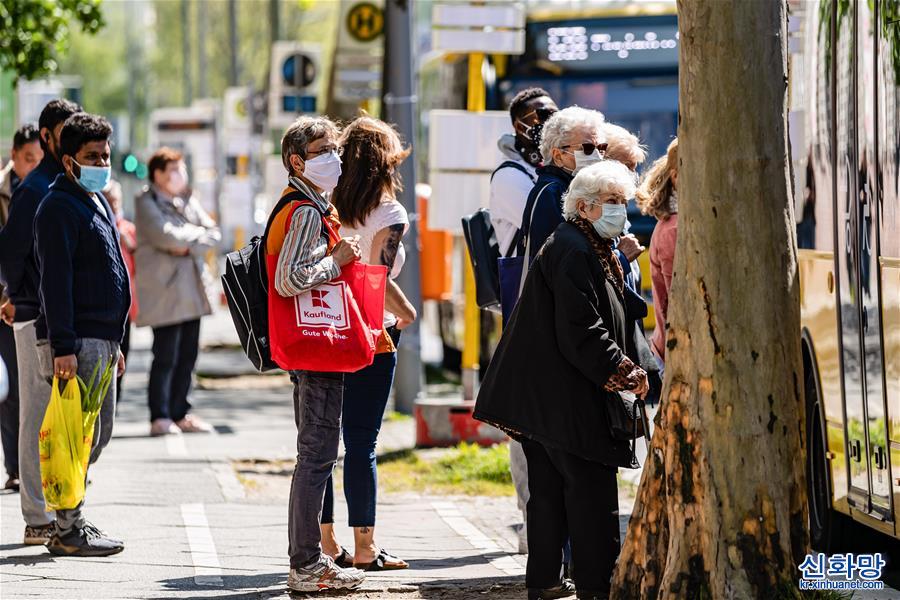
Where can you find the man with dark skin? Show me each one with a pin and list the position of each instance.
(85, 297)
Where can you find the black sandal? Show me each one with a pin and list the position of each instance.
(381, 563)
(343, 560)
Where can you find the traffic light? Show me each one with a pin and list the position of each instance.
(132, 165)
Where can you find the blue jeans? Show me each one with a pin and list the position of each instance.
(366, 394)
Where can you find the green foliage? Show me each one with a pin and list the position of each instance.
(36, 32)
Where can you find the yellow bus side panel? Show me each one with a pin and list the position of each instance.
(818, 314)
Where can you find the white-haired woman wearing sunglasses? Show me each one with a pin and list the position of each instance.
(570, 140)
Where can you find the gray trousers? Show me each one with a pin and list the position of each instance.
(92, 351)
(318, 399)
(518, 468)
(34, 396)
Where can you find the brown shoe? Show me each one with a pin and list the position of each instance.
(192, 424)
(38, 536)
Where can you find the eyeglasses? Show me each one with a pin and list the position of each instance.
(589, 147)
(325, 150)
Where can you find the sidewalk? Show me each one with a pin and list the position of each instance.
(194, 530)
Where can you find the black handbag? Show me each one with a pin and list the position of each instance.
(628, 421)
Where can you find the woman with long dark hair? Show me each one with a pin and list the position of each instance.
(366, 202)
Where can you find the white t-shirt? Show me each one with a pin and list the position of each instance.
(386, 214)
(509, 194)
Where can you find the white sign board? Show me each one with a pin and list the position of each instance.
(465, 27)
(464, 41)
(462, 154)
(461, 140)
(506, 14)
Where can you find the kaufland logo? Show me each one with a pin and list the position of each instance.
(318, 299)
(325, 306)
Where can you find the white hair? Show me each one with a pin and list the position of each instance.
(606, 177)
(560, 126)
(623, 145)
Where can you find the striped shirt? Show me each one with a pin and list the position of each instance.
(303, 262)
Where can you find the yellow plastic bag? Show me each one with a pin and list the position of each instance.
(63, 448)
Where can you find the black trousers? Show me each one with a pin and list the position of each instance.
(9, 409)
(575, 498)
(175, 350)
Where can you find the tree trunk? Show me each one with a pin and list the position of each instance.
(721, 509)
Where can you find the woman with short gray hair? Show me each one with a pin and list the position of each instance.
(306, 256)
(561, 362)
(570, 140)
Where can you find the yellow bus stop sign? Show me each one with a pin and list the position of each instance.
(365, 22)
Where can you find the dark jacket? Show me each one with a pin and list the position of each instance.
(546, 201)
(84, 283)
(565, 338)
(18, 267)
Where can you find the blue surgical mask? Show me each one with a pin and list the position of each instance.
(93, 179)
(611, 223)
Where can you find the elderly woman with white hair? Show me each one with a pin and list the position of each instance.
(553, 381)
(570, 140)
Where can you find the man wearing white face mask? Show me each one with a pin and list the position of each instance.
(571, 140)
(174, 235)
(84, 294)
(306, 258)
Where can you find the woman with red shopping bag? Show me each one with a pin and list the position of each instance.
(321, 305)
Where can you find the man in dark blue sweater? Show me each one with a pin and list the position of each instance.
(85, 295)
(19, 272)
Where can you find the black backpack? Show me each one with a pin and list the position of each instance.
(484, 250)
(246, 287)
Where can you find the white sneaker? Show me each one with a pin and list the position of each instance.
(324, 575)
(163, 427)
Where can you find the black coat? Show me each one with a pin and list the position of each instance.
(565, 338)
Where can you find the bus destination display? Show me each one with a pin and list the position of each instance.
(601, 46)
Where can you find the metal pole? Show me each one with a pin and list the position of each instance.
(274, 31)
(475, 102)
(233, 75)
(399, 108)
(202, 90)
(187, 83)
(130, 55)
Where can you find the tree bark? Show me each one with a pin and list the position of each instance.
(721, 509)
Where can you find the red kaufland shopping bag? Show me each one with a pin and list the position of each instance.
(331, 328)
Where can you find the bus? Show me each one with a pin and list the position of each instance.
(844, 124)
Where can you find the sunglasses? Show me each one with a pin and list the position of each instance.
(542, 114)
(589, 147)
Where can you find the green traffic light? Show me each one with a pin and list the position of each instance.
(131, 163)
(141, 171)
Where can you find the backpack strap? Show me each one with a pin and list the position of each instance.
(303, 200)
(511, 164)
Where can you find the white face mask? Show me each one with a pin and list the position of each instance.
(323, 171)
(583, 160)
(611, 223)
(177, 182)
